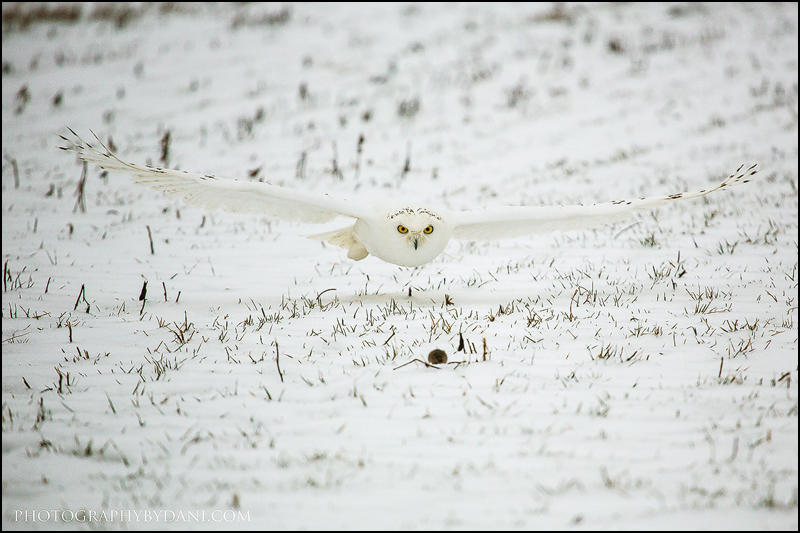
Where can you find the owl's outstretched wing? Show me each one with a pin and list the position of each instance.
(517, 221)
(229, 195)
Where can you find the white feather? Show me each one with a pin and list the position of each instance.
(229, 195)
(517, 221)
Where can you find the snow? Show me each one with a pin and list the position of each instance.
(636, 376)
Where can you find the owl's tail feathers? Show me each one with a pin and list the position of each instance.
(346, 239)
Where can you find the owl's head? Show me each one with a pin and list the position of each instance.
(409, 236)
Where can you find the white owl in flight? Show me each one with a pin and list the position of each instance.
(402, 234)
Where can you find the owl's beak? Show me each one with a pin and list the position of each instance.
(416, 242)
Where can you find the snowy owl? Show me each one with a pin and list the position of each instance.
(402, 234)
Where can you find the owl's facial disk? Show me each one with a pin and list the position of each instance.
(407, 236)
(415, 238)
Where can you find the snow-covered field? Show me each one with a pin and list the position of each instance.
(640, 375)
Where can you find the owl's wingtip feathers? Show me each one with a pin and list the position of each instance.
(740, 176)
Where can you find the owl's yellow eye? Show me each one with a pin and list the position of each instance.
(402, 229)
(428, 230)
